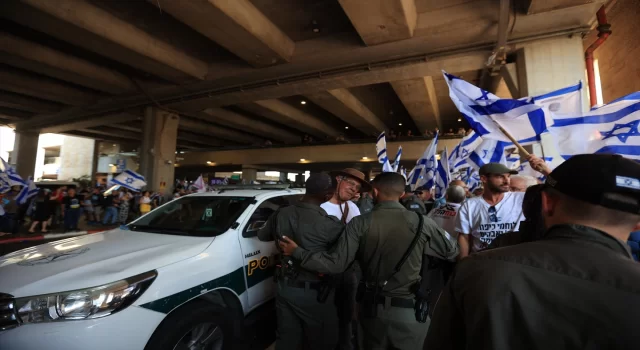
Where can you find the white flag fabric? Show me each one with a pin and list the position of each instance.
(612, 128)
(563, 103)
(381, 151)
(443, 175)
(131, 180)
(4, 183)
(199, 184)
(10, 175)
(468, 144)
(28, 191)
(489, 151)
(423, 173)
(471, 177)
(524, 120)
(403, 172)
(525, 169)
(396, 162)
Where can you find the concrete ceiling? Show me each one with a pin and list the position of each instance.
(238, 71)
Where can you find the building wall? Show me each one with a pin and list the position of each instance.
(76, 157)
(618, 56)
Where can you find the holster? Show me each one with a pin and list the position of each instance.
(421, 309)
(368, 295)
(326, 286)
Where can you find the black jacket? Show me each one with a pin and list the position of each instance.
(576, 288)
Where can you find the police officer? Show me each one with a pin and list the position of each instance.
(577, 287)
(379, 241)
(417, 200)
(299, 311)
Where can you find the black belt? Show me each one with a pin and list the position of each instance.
(397, 302)
(301, 284)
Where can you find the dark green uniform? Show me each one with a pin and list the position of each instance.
(301, 318)
(365, 204)
(380, 238)
(413, 203)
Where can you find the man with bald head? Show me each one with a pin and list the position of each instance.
(462, 184)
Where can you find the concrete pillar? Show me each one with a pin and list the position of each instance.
(25, 151)
(284, 177)
(158, 152)
(299, 179)
(94, 165)
(547, 65)
(249, 174)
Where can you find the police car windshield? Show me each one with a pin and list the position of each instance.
(194, 216)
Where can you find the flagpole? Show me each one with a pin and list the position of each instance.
(515, 142)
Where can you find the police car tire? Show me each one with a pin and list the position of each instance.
(179, 322)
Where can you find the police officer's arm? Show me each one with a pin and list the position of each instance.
(463, 226)
(441, 244)
(268, 231)
(341, 254)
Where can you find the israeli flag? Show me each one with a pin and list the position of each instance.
(526, 169)
(566, 102)
(471, 178)
(513, 160)
(381, 151)
(612, 128)
(4, 183)
(11, 176)
(489, 151)
(403, 172)
(131, 180)
(459, 155)
(396, 162)
(27, 192)
(423, 174)
(524, 120)
(443, 176)
(199, 184)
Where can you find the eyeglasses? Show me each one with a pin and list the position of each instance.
(352, 183)
(493, 214)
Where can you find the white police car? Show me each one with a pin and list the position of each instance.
(184, 276)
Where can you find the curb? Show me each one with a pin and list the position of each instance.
(48, 236)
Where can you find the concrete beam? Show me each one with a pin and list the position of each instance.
(382, 21)
(344, 105)
(24, 103)
(109, 131)
(127, 128)
(540, 6)
(187, 123)
(90, 123)
(289, 115)
(352, 153)
(44, 88)
(239, 121)
(236, 25)
(44, 60)
(197, 139)
(366, 76)
(93, 19)
(15, 112)
(419, 98)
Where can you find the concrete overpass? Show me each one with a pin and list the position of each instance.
(196, 75)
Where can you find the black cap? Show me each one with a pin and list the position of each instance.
(496, 169)
(319, 183)
(608, 180)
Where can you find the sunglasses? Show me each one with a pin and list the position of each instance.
(493, 217)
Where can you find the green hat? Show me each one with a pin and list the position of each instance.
(496, 169)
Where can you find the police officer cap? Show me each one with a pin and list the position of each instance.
(319, 183)
(608, 180)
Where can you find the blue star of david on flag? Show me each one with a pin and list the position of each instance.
(129, 180)
(485, 95)
(622, 136)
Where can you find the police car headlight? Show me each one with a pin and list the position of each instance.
(84, 303)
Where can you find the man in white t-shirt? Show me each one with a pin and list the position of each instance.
(481, 219)
(349, 182)
(445, 216)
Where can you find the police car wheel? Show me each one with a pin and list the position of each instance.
(195, 326)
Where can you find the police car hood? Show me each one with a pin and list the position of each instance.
(92, 260)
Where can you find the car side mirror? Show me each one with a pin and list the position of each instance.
(252, 230)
